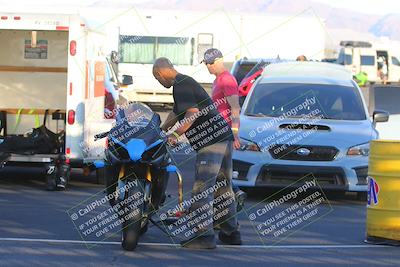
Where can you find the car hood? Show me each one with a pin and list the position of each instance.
(339, 133)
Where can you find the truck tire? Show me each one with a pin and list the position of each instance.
(131, 230)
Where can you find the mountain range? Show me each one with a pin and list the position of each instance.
(346, 23)
(360, 24)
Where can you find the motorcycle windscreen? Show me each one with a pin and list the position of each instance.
(136, 121)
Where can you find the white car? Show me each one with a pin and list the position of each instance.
(305, 120)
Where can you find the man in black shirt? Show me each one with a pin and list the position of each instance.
(196, 116)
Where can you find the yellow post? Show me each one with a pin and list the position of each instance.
(383, 208)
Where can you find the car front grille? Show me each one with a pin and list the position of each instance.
(284, 175)
(305, 153)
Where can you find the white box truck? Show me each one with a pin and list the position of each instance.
(54, 63)
(184, 36)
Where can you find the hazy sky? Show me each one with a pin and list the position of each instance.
(365, 6)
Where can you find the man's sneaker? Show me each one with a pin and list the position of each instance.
(200, 242)
(240, 197)
(63, 175)
(232, 239)
(61, 183)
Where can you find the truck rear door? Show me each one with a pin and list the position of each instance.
(394, 69)
(100, 106)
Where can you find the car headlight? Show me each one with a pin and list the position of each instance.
(248, 145)
(359, 150)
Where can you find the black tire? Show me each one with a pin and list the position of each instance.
(132, 227)
(51, 176)
(144, 228)
(111, 178)
(100, 176)
(159, 184)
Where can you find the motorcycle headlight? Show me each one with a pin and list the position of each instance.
(359, 150)
(248, 145)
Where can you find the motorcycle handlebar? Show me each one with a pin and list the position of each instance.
(100, 136)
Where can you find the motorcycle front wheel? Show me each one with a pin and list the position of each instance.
(133, 219)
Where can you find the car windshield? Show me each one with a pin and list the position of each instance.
(311, 100)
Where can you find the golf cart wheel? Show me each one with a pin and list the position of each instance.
(132, 226)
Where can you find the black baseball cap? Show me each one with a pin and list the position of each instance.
(211, 55)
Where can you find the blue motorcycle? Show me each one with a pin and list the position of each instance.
(136, 166)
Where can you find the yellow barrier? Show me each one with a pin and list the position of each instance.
(383, 207)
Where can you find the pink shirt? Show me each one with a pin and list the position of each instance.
(224, 85)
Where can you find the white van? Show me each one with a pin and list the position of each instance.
(55, 63)
(364, 57)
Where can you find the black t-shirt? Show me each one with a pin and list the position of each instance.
(209, 127)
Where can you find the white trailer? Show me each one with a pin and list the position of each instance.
(55, 62)
(183, 37)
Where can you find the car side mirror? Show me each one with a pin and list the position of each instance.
(127, 80)
(380, 116)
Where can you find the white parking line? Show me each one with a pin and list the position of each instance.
(177, 245)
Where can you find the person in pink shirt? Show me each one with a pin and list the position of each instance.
(225, 92)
